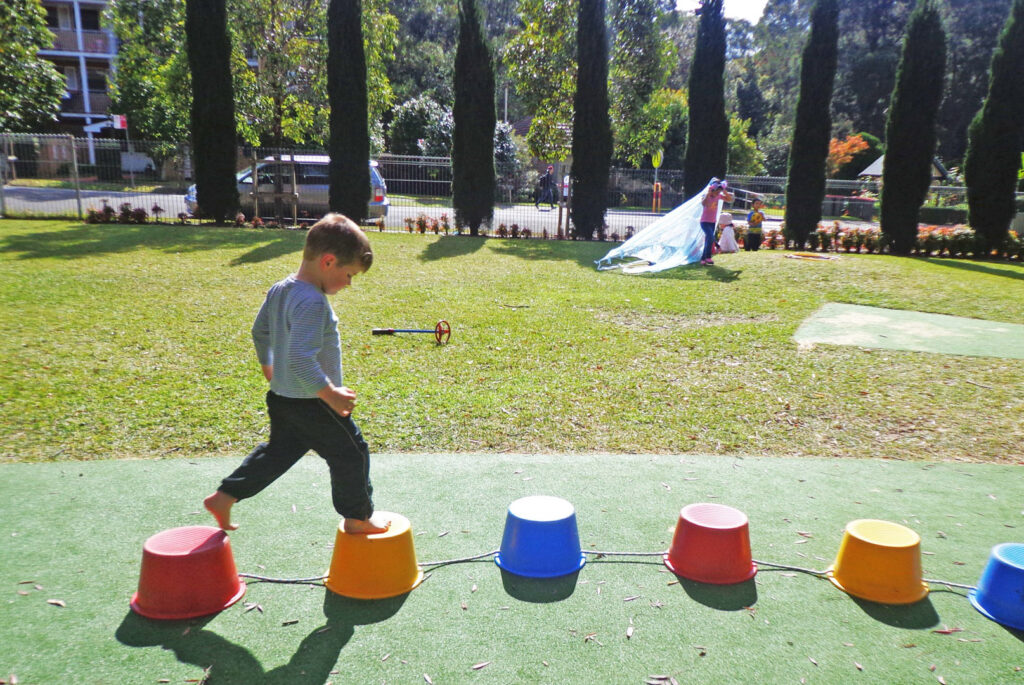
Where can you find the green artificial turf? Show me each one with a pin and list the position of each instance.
(74, 532)
(133, 341)
(897, 329)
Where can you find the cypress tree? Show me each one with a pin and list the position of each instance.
(591, 125)
(995, 139)
(349, 144)
(805, 187)
(213, 108)
(910, 130)
(707, 145)
(473, 181)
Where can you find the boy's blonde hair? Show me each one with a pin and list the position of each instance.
(338, 235)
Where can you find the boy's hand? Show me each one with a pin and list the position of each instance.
(342, 400)
(268, 371)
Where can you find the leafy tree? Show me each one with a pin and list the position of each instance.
(639, 68)
(346, 87)
(996, 138)
(30, 86)
(744, 157)
(971, 42)
(707, 147)
(425, 42)
(421, 127)
(805, 187)
(859, 160)
(910, 132)
(672, 107)
(842, 152)
(870, 33)
(750, 101)
(213, 108)
(151, 83)
(512, 162)
(473, 181)
(592, 131)
(541, 64)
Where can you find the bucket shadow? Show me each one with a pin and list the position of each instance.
(539, 590)
(734, 597)
(917, 616)
(228, 663)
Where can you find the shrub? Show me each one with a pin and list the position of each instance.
(138, 215)
(942, 215)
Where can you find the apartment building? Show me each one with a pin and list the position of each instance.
(84, 53)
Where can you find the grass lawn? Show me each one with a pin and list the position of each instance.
(73, 532)
(133, 341)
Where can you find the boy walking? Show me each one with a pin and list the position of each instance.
(297, 344)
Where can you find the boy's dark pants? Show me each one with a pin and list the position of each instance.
(752, 241)
(300, 425)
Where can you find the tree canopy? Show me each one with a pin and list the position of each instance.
(30, 87)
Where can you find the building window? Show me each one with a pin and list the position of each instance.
(97, 82)
(52, 20)
(90, 19)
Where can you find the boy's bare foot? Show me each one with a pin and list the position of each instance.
(219, 504)
(374, 524)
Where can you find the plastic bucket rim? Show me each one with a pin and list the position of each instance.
(830, 574)
(540, 574)
(666, 559)
(137, 607)
(972, 597)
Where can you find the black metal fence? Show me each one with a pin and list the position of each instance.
(61, 176)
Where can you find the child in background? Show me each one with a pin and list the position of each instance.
(727, 238)
(297, 344)
(754, 221)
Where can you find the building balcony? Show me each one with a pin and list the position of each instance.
(75, 104)
(95, 42)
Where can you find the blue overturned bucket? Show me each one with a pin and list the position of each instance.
(1000, 591)
(541, 539)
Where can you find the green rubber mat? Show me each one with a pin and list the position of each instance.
(897, 329)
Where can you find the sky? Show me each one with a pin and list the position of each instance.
(734, 9)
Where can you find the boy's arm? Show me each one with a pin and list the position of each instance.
(261, 336)
(342, 400)
(268, 371)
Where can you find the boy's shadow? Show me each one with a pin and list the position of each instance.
(231, 664)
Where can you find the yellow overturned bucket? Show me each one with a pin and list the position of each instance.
(377, 565)
(879, 561)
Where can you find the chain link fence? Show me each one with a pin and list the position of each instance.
(59, 176)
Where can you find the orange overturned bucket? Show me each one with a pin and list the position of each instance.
(711, 544)
(879, 561)
(187, 572)
(376, 565)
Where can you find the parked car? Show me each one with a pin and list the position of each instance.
(311, 185)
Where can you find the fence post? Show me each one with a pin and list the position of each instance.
(3, 173)
(74, 175)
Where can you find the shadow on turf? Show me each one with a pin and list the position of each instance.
(722, 597)
(917, 616)
(86, 240)
(539, 590)
(232, 664)
(979, 268)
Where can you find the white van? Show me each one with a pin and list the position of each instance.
(311, 181)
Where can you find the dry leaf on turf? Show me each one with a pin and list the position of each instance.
(477, 667)
(56, 602)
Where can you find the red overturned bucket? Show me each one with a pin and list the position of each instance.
(711, 544)
(187, 572)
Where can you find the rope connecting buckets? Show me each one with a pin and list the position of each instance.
(187, 572)
(374, 566)
(711, 544)
(541, 539)
(879, 561)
